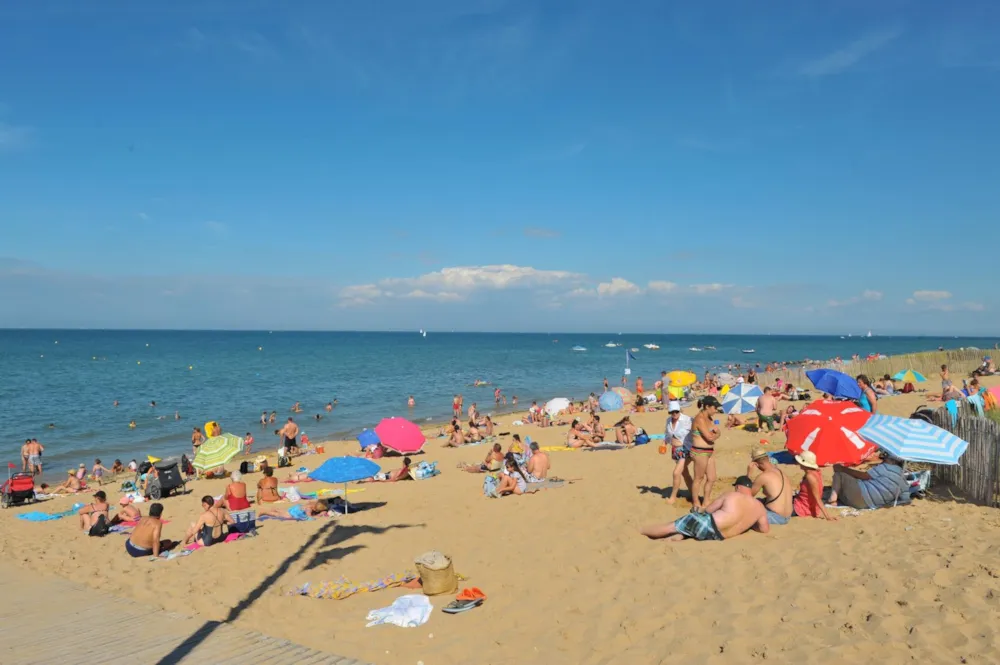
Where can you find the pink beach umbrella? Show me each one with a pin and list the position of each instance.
(400, 435)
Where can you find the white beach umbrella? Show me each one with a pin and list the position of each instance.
(554, 406)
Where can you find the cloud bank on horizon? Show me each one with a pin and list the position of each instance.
(499, 165)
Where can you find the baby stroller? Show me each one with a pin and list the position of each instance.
(166, 479)
(19, 488)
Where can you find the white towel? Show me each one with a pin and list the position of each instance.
(407, 611)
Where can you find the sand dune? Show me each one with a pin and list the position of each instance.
(568, 577)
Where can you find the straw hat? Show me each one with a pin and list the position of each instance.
(807, 458)
(71, 471)
(758, 453)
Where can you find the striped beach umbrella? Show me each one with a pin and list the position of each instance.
(913, 440)
(741, 399)
(217, 451)
(909, 376)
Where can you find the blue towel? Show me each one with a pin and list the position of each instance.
(952, 407)
(656, 437)
(38, 516)
(977, 401)
(782, 457)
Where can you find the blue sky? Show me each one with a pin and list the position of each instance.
(736, 167)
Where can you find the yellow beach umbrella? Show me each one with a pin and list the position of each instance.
(681, 379)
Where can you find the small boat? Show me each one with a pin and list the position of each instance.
(651, 347)
(611, 345)
(634, 349)
(749, 351)
(869, 334)
(579, 348)
(694, 348)
(710, 348)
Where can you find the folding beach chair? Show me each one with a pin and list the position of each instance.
(244, 521)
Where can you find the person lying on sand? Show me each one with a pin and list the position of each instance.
(91, 514)
(402, 473)
(730, 515)
(126, 511)
(539, 464)
(267, 487)
(145, 538)
(208, 529)
(71, 485)
(300, 513)
(732, 420)
(493, 462)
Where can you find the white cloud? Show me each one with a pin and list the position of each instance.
(866, 296)
(582, 293)
(451, 284)
(741, 303)
(702, 289)
(660, 286)
(143, 216)
(846, 57)
(926, 296)
(617, 287)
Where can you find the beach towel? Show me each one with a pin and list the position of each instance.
(171, 555)
(548, 483)
(38, 516)
(782, 457)
(230, 538)
(407, 611)
(607, 446)
(559, 449)
(424, 470)
(952, 407)
(344, 588)
(977, 401)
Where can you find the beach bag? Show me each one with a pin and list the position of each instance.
(641, 438)
(424, 470)
(100, 528)
(490, 485)
(284, 461)
(437, 574)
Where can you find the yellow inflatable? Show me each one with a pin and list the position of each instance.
(725, 389)
(675, 391)
(212, 429)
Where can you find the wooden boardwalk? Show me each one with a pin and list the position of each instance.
(51, 620)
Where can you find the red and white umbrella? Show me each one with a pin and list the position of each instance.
(400, 435)
(830, 430)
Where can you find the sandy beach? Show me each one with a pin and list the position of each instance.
(568, 577)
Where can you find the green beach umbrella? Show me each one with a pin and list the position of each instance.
(218, 450)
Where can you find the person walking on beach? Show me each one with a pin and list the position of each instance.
(624, 381)
(767, 408)
(677, 435)
(24, 455)
(638, 386)
(775, 484)
(704, 434)
(197, 438)
(34, 451)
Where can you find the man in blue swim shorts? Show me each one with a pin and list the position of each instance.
(730, 515)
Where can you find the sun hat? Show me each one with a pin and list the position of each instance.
(674, 406)
(807, 458)
(758, 453)
(71, 471)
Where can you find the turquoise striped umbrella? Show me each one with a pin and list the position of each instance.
(217, 451)
(913, 440)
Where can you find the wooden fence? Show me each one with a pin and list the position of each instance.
(960, 362)
(977, 476)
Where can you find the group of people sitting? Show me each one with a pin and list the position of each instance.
(479, 428)
(511, 473)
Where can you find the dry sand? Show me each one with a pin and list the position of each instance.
(568, 577)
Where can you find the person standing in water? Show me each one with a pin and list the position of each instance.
(411, 402)
(288, 434)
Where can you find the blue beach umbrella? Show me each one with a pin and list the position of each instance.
(741, 399)
(913, 440)
(345, 470)
(835, 383)
(610, 401)
(368, 437)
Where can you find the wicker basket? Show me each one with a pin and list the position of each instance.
(436, 582)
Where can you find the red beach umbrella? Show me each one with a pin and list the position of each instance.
(829, 429)
(400, 435)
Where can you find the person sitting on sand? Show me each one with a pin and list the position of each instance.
(625, 431)
(127, 512)
(874, 484)
(473, 435)
(457, 437)
(117, 467)
(576, 437)
(730, 515)
(299, 513)
(267, 487)
(208, 529)
(145, 538)
(492, 463)
(513, 480)
(775, 485)
(235, 495)
(95, 514)
(539, 463)
(808, 501)
(487, 426)
(402, 473)
(596, 429)
(70, 486)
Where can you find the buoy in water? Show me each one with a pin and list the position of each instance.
(260, 348)
(138, 362)
(190, 367)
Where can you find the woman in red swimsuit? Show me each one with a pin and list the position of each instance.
(235, 496)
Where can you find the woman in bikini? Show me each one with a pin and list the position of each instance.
(704, 434)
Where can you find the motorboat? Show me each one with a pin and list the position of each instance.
(579, 348)
(651, 347)
(694, 348)
(634, 349)
(749, 351)
(612, 345)
(710, 348)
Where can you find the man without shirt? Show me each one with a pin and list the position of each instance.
(539, 464)
(730, 515)
(777, 488)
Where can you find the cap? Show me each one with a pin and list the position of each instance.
(125, 500)
(758, 453)
(710, 401)
(743, 481)
(674, 406)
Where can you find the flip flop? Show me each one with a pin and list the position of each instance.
(459, 606)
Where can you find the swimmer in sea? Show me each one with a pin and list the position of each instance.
(329, 407)
(153, 404)
(131, 424)
(318, 417)
(411, 402)
(115, 403)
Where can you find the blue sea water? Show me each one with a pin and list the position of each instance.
(71, 378)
